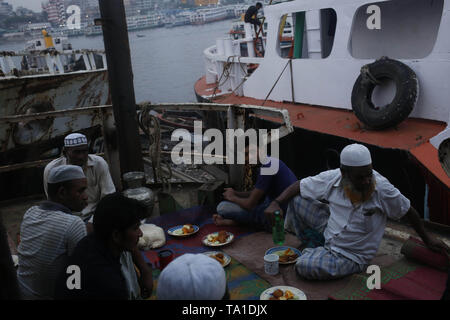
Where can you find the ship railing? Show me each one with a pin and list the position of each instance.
(103, 116)
(49, 61)
(226, 66)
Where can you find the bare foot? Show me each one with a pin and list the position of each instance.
(220, 221)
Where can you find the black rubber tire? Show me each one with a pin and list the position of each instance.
(401, 106)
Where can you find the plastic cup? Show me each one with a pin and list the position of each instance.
(165, 257)
(271, 262)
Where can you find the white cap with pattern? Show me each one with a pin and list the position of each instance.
(75, 139)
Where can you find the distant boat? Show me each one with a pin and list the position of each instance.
(93, 30)
(321, 60)
(140, 35)
(202, 16)
(140, 22)
(47, 76)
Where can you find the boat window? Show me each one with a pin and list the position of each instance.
(38, 43)
(57, 41)
(403, 29)
(307, 34)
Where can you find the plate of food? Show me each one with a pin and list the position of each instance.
(223, 258)
(183, 230)
(287, 254)
(217, 239)
(282, 293)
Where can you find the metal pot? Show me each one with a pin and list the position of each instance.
(143, 195)
(134, 179)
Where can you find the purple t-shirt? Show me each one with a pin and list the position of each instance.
(274, 185)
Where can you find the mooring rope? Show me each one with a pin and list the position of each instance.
(151, 127)
(273, 87)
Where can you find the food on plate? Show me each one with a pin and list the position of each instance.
(187, 228)
(277, 293)
(288, 255)
(219, 257)
(220, 237)
(280, 295)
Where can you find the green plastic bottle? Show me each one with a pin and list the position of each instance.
(278, 229)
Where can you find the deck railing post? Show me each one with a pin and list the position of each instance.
(120, 76)
(235, 120)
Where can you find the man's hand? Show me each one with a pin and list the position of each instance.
(229, 194)
(145, 271)
(431, 242)
(89, 228)
(270, 210)
(146, 282)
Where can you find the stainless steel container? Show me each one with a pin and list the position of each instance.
(143, 195)
(134, 179)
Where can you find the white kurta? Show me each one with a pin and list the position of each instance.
(355, 231)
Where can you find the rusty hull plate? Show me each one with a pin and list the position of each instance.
(40, 93)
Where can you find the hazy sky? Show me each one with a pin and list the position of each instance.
(34, 5)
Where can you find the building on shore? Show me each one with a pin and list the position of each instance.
(5, 8)
(55, 11)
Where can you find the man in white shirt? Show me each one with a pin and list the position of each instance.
(96, 169)
(350, 207)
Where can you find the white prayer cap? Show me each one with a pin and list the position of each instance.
(192, 277)
(355, 155)
(65, 173)
(75, 139)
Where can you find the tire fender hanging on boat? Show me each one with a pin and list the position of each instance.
(406, 95)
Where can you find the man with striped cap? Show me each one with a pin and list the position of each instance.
(348, 207)
(96, 169)
(49, 232)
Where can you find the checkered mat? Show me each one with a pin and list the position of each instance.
(243, 284)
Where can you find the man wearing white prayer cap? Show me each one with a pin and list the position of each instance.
(192, 277)
(49, 232)
(340, 216)
(96, 169)
(99, 184)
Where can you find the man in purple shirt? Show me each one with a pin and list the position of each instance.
(247, 208)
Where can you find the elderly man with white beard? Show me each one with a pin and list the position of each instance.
(350, 207)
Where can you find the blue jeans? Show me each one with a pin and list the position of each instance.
(254, 218)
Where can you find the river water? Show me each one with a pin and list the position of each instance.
(166, 61)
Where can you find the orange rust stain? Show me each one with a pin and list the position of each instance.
(343, 123)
